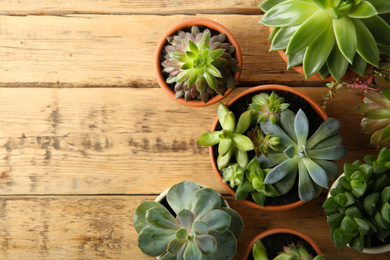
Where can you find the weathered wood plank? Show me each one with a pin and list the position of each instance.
(60, 7)
(117, 50)
(116, 140)
(101, 227)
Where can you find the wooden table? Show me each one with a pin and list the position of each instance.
(87, 134)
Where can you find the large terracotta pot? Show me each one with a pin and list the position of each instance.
(187, 24)
(259, 89)
(270, 232)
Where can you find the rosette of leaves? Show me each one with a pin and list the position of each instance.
(376, 112)
(358, 208)
(329, 36)
(290, 252)
(202, 227)
(230, 139)
(267, 107)
(263, 143)
(250, 181)
(307, 158)
(199, 65)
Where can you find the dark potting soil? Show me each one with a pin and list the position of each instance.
(296, 103)
(375, 242)
(163, 53)
(274, 244)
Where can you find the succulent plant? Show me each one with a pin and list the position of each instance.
(290, 252)
(309, 157)
(252, 182)
(200, 65)
(262, 143)
(358, 207)
(202, 228)
(328, 36)
(230, 139)
(267, 107)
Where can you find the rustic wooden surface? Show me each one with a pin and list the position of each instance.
(81, 146)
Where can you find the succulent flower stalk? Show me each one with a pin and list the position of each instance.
(202, 228)
(309, 158)
(329, 36)
(199, 65)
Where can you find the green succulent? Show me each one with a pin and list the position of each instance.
(290, 252)
(230, 139)
(309, 157)
(199, 65)
(251, 183)
(328, 36)
(359, 206)
(202, 228)
(263, 144)
(267, 107)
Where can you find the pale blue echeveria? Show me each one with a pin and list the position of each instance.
(201, 228)
(231, 139)
(307, 158)
(329, 36)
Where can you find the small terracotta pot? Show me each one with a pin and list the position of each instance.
(348, 74)
(313, 104)
(366, 250)
(187, 24)
(273, 231)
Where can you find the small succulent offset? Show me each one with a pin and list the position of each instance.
(358, 208)
(263, 144)
(202, 228)
(230, 139)
(200, 65)
(290, 252)
(267, 107)
(328, 36)
(309, 157)
(250, 181)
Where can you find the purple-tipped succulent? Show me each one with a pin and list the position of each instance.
(200, 65)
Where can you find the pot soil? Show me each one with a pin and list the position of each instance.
(275, 239)
(297, 100)
(186, 25)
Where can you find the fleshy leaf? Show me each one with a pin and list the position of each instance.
(379, 29)
(205, 200)
(161, 218)
(366, 45)
(192, 252)
(218, 221)
(344, 30)
(200, 227)
(180, 196)
(185, 218)
(317, 174)
(224, 146)
(301, 126)
(330, 127)
(206, 244)
(237, 223)
(280, 171)
(243, 122)
(305, 186)
(363, 10)
(209, 138)
(242, 142)
(227, 246)
(154, 241)
(140, 213)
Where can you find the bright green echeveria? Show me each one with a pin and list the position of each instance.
(309, 157)
(199, 64)
(251, 183)
(267, 107)
(202, 228)
(376, 110)
(359, 205)
(290, 252)
(230, 139)
(328, 36)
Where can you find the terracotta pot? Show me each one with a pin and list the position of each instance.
(313, 104)
(269, 232)
(187, 24)
(366, 250)
(348, 74)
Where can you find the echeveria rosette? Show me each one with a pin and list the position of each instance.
(252, 182)
(309, 157)
(267, 107)
(359, 205)
(230, 139)
(199, 64)
(329, 36)
(290, 252)
(202, 227)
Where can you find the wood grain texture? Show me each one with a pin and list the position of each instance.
(61, 7)
(115, 140)
(117, 50)
(101, 227)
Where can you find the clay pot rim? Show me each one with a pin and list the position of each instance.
(348, 74)
(260, 88)
(186, 24)
(277, 231)
(366, 250)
